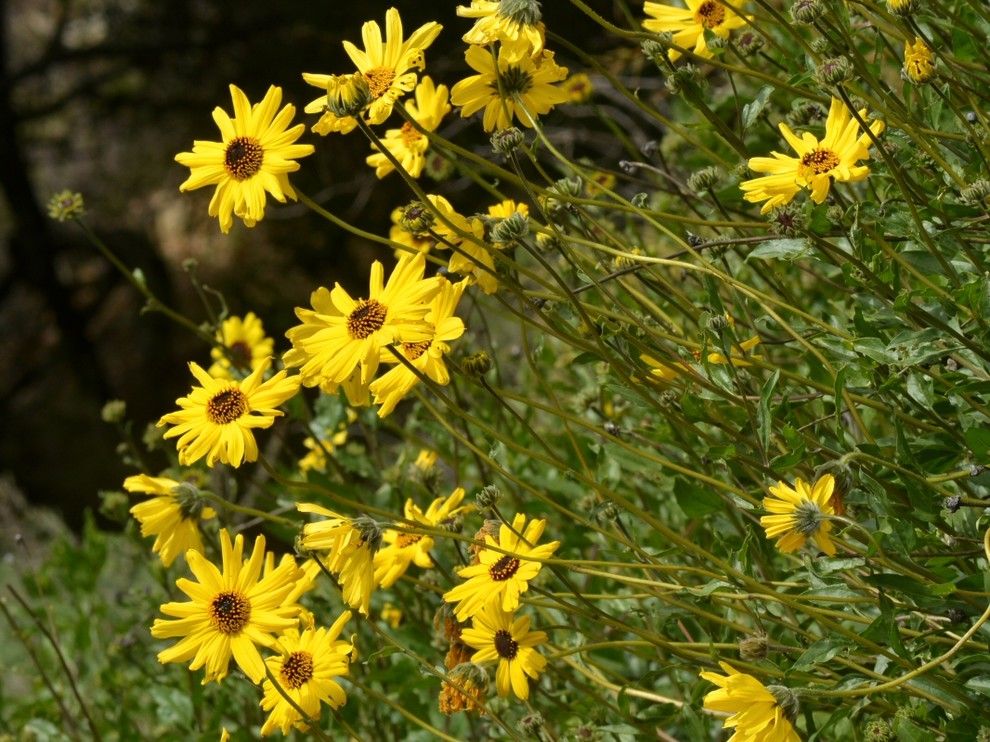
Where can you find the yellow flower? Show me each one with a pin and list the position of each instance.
(799, 513)
(407, 144)
(349, 547)
(343, 334)
(520, 89)
(578, 88)
(245, 346)
(665, 371)
(500, 577)
(426, 356)
(306, 670)
(218, 416)
(756, 713)
(392, 561)
(316, 459)
(231, 611)
(737, 360)
(392, 615)
(256, 156)
(499, 636)
(919, 62)
(506, 208)
(426, 460)
(388, 67)
(514, 23)
(817, 163)
(416, 241)
(688, 25)
(172, 517)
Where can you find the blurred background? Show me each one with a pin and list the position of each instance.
(97, 96)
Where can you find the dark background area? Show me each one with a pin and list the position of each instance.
(98, 96)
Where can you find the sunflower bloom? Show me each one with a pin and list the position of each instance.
(231, 611)
(499, 578)
(407, 144)
(687, 26)
(758, 713)
(426, 356)
(471, 257)
(172, 515)
(514, 23)
(799, 513)
(350, 546)
(500, 637)
(306, 670)
(834, 158)
(344, 334)
(256, 155)
(520, 89)
(244, 346)
(388, 66)
(919, 61)
(403, 549)
(217, 417)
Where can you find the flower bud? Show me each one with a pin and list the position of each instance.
(507, 141)
(347, 95)
(787, 701)
(754, 648)
(478, 364)
(114, 411)
(511, 228)
(703, 180)
(807, 11)
(834, 71)
(488, 497)
(416, 218)
(66, 205)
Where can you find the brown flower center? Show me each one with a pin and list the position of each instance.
(243, 157)
(710, 14)
(505, 645)
(504, 568)
(820, 161)
(415, 350)
(379, 80)
(297, 669)
(226, 406)
(367, 317)
(230, 613)
(240, 354)
(515, 81)
(408, 539)
(409, 134)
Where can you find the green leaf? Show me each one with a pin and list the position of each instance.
(696, 501)
(820, 652)
(751, 111)
(764, 419)
(787, 248)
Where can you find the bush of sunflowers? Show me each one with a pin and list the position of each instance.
(686, 446)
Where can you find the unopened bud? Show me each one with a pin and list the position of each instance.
(507, 141)
(834, 71)
(478, 364)
(114, 411)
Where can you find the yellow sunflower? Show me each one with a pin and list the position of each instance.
(244, 346)
(392, 561)
(688, 25)
(817, 165)
(231, 611)
(505, 209)
(500, 637)
(499, 578)
(256, 155)
(343, 334)
(350, 546)
(426, 356)
(919, 61)
(172, 516)
(388, 67)
(306, 669)
(758, 713)
(407, 144)
(217, 417)
(508, 90)
(471, 257)
(799, 513)
(515, 23)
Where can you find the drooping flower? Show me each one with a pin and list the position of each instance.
(758, 714)
(343, 334)
(465, 237)
(521, 89)
(256, 155)
(172, 515)
(465, 691)
(306, 669)
(217, 418)
(817, 165)
(500, 577)
(244, 346)
(403, 549)
(231, 611)
(388, 66)
(688, 25)
(515, 23)
(407, 144)
(799, 513)
(426, 356)
(349, 545)
(498, 636)
(919, 61)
